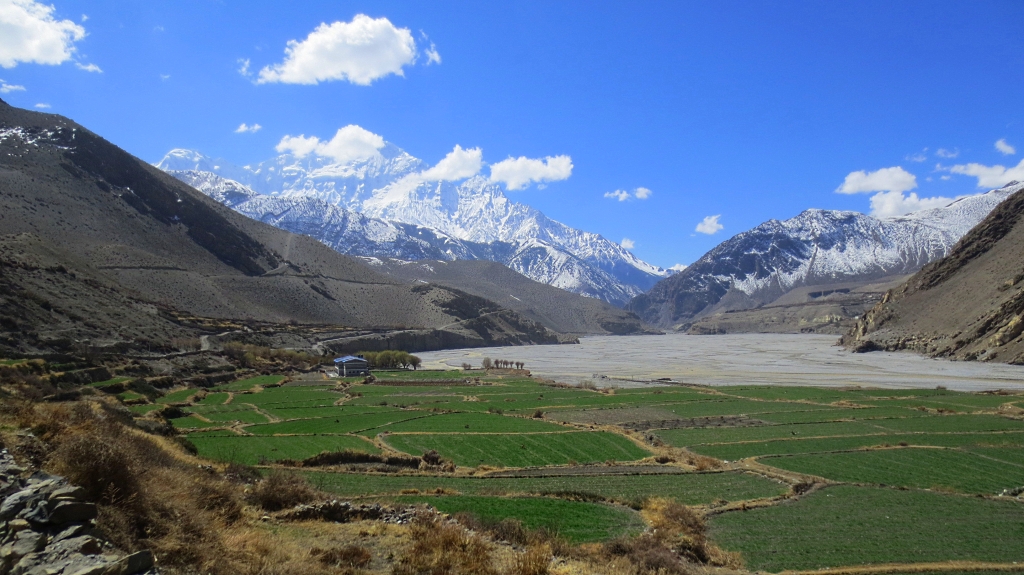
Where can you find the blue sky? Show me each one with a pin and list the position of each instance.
(742, 110)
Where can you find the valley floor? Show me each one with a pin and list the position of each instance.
(763, 359)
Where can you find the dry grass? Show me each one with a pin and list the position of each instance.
(680, 529)
(441, 548)
(282, 490)
(152, 495)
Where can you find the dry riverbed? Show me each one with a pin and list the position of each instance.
(744, 359)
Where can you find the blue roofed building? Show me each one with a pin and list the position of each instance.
(352, 365)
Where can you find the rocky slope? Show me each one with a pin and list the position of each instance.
(816, 248)
(473, 211)
(97, 248)
(967, 305)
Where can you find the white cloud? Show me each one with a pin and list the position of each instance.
(991, 176)
(89, 67)
(1005, 148)
(623, 195)
(6, 88)
(30, 34)
(165, 77)
(298, 146)
(917, 157)
(517, 173)
(944, 153)
(628, 243)
(349, 144)
(433, 56)
(85, 18)
(710, 225)
(243, 67)
(894, 179)
(678, 268)
(43, 106)
(459, 164)
(245, 128)
(889, 204)
(359, 51)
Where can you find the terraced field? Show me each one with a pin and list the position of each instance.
(688, 488)
(938, 469)
(522, 449)
(847, 525)
(576, 521)
(902, 479)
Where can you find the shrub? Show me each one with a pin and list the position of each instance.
(432, 457)
(648, 555)
(282, 490)
(533, 561)
(445, 548)
(106, 468)
(680, 529)
(351, 456)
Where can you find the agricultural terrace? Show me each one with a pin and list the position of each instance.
(791, 478)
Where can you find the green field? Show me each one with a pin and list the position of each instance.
(689, 437)
(734, 451)
(468, 422)
(522, 450)
(1014, 455)
(939, 469)
(192, 422)
(336, 425)
(847, 525)
(251, 450)
(688, 488)
(214, 399)
(236, 415)
(576, 521)
(180, 396)
(937, 453)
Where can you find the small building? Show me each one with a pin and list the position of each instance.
(352, 365)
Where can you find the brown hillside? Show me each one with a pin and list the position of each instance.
(98, 248)
(968, 305)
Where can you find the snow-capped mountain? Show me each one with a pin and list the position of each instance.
(817, 247)
(471, 219)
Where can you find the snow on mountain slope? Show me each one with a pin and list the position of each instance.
(474, 212)
(356, 234)
(816, 247)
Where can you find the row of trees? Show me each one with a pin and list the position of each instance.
(390, 359)
(488, 363)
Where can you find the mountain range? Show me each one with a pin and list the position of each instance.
(100, 250)
(388, 212)
(817, 248)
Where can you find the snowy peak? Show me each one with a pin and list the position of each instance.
(475, 218)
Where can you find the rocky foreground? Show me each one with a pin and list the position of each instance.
(47, 527)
